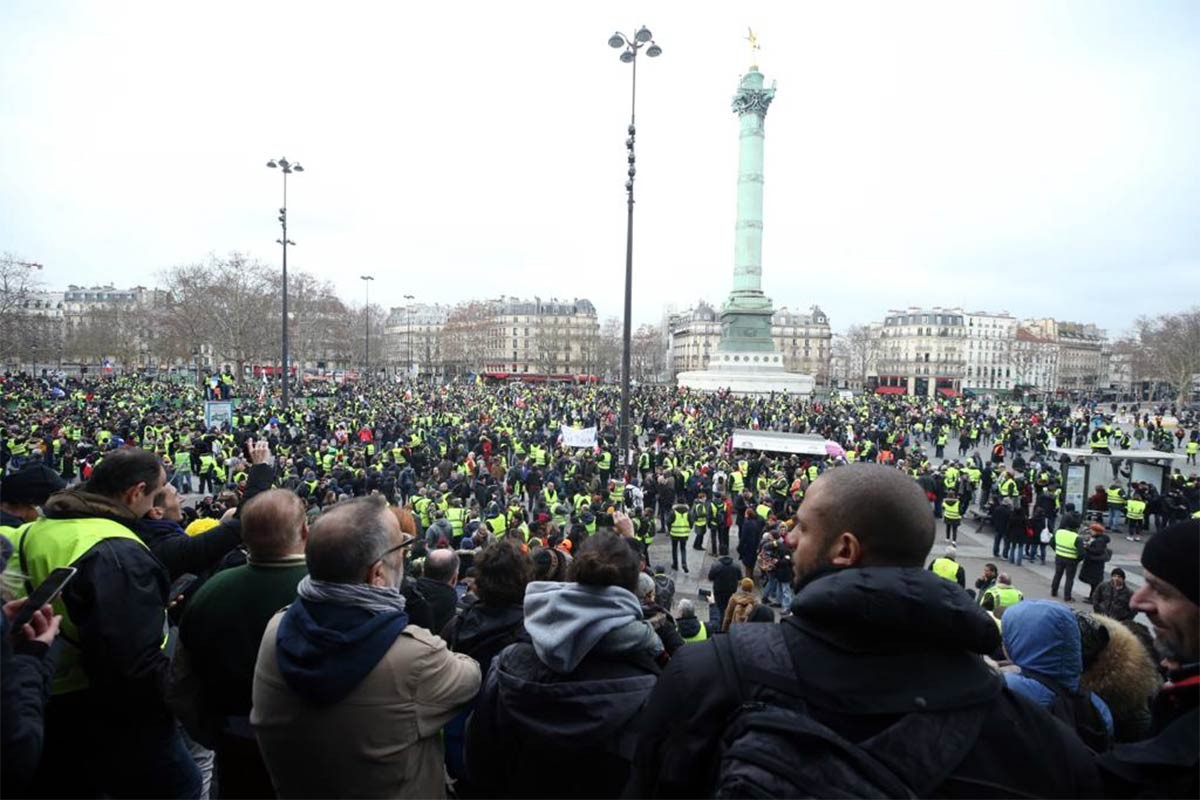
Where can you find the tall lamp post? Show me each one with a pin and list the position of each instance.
(287, 168)
(410, 298)
(630, 46)
(366, 279)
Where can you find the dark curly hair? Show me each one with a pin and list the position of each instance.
(501, 572)
(549, 564)
(605, 559)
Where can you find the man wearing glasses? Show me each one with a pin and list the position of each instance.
(349, 698)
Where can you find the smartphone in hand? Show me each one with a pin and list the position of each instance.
(47, 592)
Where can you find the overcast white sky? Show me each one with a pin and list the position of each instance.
(1039, 157)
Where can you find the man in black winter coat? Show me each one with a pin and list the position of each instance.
(750, 533)
(724, 575)
(437, 585)
(873, 640)
(108, 728)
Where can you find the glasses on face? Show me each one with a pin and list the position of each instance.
(403, 544)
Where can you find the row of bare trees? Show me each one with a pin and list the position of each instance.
(226, 308)
(1165, 349)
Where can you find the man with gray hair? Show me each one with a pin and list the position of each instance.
(349, 698)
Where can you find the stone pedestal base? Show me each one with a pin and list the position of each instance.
(747, 373)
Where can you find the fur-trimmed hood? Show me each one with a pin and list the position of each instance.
(1124, 675)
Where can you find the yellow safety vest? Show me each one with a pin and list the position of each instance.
(1003, 597)
(951, 511)
(455, 516)
(680, 527)
(1114, 497)
(1066, 544)
(45, 545)
(946, 568)
(1135, 510)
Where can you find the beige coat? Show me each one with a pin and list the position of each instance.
(381, 740)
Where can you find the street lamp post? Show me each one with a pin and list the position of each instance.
(287, 168)
(630, 46)
(410, 298)
(367, 325)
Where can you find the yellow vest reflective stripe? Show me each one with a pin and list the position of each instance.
(1135, 509)
(946, 568)
(700, 636)
(52, 543)
(1114, 497)
(680, 525)
(1066, 543)
(950, 510)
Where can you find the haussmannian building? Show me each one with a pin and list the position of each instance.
(804, 340)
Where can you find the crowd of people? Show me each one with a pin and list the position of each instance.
(404, 590)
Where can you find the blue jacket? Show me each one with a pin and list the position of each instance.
(1042, 636)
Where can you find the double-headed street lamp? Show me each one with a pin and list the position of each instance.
(629, 55)
(410, 298)
(287, 168)
(366, 279)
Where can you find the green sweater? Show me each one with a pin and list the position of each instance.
(223, 626)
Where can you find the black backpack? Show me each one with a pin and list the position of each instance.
(1078, 712)
(772, 747)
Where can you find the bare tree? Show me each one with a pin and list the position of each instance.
(470, 338)
(608, 350)
(863, 350)
(18, 282)
(1170, 345)
(648, 354)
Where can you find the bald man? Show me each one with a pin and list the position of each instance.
(877, 646)
(437, 585)
(213, 672)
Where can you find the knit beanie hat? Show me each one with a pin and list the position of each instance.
(1173, 555)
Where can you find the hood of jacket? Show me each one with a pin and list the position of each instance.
(1042, 636)
(1123, 674)
(876, 609)
(325, 650)
(566, 620)
(78, 503)
(688, 626)
(880, 640)
(482, 625)
(593, 711)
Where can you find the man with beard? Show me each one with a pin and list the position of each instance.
(876, 646)
(1167, 764)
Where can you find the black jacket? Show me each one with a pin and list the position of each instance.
(750, 533)
(725, 575)
(1168, 764)
(874, 644)
(481, 631)
(198, 555)
(25, 672)
(442, 601)
(539, 733)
